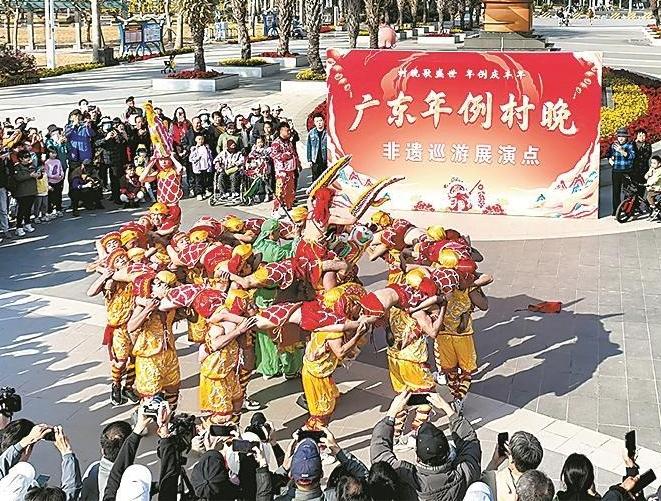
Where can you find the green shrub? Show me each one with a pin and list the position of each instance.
(16, 67)
(253, 61)
(67, 68)
(308, 74)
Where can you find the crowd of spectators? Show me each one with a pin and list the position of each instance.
(208, 464)
(227, 155)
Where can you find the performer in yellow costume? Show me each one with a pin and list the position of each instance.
(454, 348)
(156, 363)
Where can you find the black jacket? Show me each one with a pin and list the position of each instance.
(443, 483)
(116, 152)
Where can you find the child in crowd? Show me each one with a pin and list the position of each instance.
(201, 161)
(230, 163)
(40, 207)
(131, 191)
(653, 184)
(140, 162)
(55, 176)
(258, 172)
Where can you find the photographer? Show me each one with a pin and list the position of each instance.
(17, 442)
(114, 145)
(79, 133)
(10, 402)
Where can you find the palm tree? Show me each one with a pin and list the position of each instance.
(197, 13)
(313, 26)
(353, 21)
(286, 10)
(240, 12)
(372, 13)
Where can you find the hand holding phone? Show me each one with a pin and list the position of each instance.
(417, 399)
(220, 430)
(502, 441)
(244, 446)
(313, 434)
(643, 481)
(630, 443)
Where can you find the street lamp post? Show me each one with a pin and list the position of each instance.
(49, 12)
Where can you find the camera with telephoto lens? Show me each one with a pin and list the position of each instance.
(151, 408)
(183, 427)
(10, 401)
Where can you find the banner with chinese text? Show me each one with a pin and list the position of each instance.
(486, 132)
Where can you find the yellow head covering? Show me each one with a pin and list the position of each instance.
(381, 218)
(233, 224)
(242, 250)
(436, 232)
(167, 277)
(127, 236)
(331, 296)
(198, 236)
(161, 257)
(136, 253)
(159, 208)
(299, 213)
(448, 258)
(415, 276)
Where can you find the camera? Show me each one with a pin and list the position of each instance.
(10, 401)
(183, 427)
(151, 408)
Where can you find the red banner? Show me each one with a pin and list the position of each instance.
(485, 132)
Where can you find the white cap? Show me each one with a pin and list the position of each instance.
(135, 484)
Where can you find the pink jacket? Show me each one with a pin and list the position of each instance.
(54, 171)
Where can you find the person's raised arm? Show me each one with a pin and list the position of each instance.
(219, 342)
(479, 299)
(351, 463)
(72, 482)
(382, 435)
(342, 350)
(140, 314)
(98, 285)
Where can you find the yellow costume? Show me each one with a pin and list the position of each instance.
(408, 366)
(454, 348)
(320, 390)
(156, 363)
(220, 392)
(197, 329)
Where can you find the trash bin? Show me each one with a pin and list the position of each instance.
(107, 56)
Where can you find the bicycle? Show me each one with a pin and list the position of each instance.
(633, 203)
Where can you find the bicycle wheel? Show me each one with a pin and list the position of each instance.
(624, 211)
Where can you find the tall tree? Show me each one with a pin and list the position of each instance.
(440, 9)
(353, 20)
(197, 13)
(401, 5)
(373, 10)
(413, 5)
(240, 12)
(286, 10)
(313, 11)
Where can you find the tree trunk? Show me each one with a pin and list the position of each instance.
(17, 15)
(179, 39)
(372, 12)
(313, 13)
(239, 11)
(353, 21)
(462, 13)
(400, 11)
(96, 30)
(413, 5)
(440, 9)
(425, 8)
(8, 27)
(168, 21)
(285, 16)
(197, 33)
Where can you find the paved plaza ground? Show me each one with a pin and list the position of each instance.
(578, 380)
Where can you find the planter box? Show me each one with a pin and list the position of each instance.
(264, 70)
(223, 82)
(401, 35)
(437, 41)
(288, 62)
(303, 87)
(363, 41)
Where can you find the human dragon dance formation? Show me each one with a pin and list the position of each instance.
(283, 293)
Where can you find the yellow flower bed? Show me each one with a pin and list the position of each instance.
(630, 104)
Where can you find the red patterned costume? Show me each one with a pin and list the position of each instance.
(394, 235)
(285, 164)
(168, 182)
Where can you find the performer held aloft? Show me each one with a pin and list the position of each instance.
(270, 361)
(156, 363)
(119, 303)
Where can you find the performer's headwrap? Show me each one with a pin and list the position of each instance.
(113, 236)
(167, 277)
(372, 305)
(129, 236)
(207, 301)
(268, 227)
(142, 285)
(240, 255)
(233, 224)
(381, 219)
(198, 236)
(419, 279)
(136, 254)
(177, 238)
(451, 234)
(466, 267)
(436, 232)
(341, 299)
(113, 260)
(321, 203)
(299, 213)
(159, 208)
(448, 258)
(237, 301)
(161, 258)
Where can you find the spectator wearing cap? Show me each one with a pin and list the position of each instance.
(57, 140)
(524, 453)
(255, 114)
(258, 126)
(621, 156)
(436, 473)
(79, 134)
(306, 472)
(131, 109)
